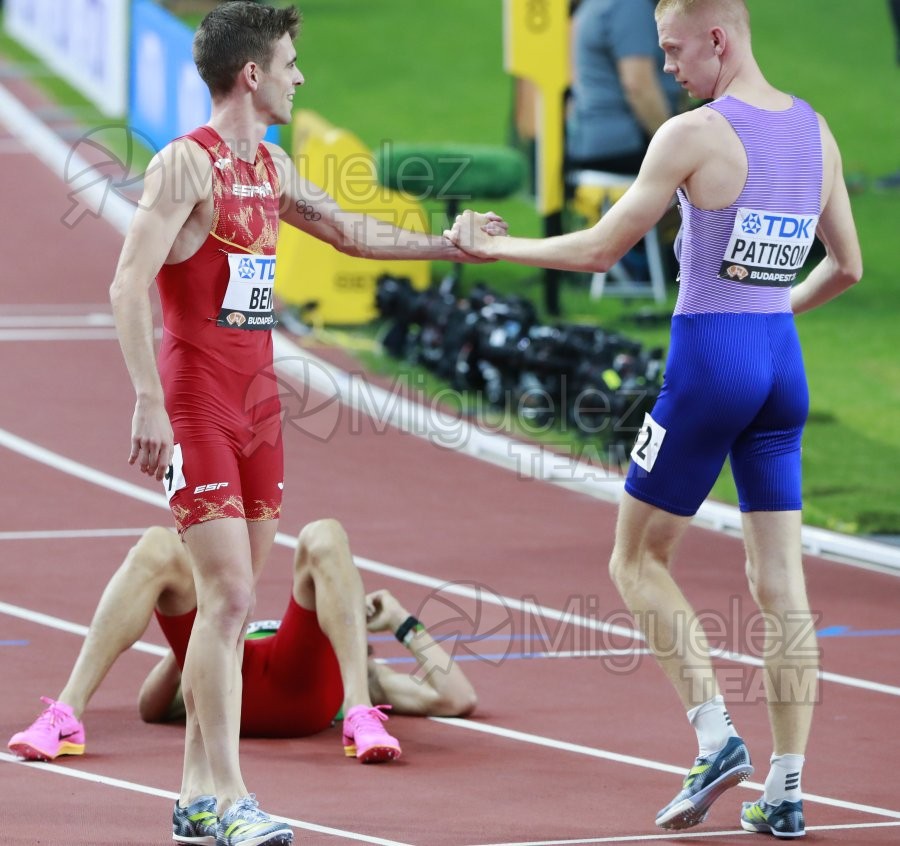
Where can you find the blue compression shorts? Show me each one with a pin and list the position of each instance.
(734, 386)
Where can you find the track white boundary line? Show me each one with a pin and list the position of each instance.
(19, 335)
(52, 622)
(66, 534)
(484, 728)
(90, 320)
(81, 471)
(58, 623)
(525, 606)
(679, 836)
(645, 763)
(97, 477)
(91, 189)
(59, 158)
(168, 794)
(535, 462)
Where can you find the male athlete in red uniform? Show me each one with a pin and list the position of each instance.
(206, 229)
(292, 680)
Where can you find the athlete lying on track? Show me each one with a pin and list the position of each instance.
(293, 681)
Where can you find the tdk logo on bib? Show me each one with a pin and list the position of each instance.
(782, 226)
(752, 224)
(767, 248)
(261, 269)
(249, 298)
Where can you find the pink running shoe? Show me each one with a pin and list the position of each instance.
(56, 732)
(365, 736)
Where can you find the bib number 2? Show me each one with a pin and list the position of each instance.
(648, 443)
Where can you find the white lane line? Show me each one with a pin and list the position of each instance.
(42, 313)
(66, 534)
(90, 320)
(680, 835)
(440, 428)
(91, 192)
(105, 480)
(51, 622)
(80, 471)
(121, 784)
(478, 593)
(19, 335)
(484, 728)
(848, 681)
(631, 760)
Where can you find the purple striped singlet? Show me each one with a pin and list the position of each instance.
(745, 257)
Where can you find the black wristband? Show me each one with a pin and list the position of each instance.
(407, 629)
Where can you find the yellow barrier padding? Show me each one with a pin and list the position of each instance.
(591, 201)
(308, 269)
(536, 47)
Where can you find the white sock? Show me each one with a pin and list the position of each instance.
(712, 724)
(783, 781)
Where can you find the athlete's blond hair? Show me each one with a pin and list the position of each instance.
(734, 12)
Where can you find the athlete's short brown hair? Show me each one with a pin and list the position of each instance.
(238, 32)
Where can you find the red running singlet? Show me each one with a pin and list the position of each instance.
(215, 360)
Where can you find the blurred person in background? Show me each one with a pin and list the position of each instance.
(620, 95)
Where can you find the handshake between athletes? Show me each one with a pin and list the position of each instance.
(472, 232)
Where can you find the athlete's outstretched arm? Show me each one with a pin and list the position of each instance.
(312, 210)
(842, 265)
(172, 189)
(438, 687)
(673, 155)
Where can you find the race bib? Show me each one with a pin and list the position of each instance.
(249, 299)
(648, 443)
(767, 248)
(174, 481)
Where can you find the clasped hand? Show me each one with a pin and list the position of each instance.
(473, 232)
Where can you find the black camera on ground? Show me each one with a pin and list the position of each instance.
(578, 375)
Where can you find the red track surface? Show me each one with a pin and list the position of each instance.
(428, 511)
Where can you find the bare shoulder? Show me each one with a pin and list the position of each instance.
(691, 130)
(182, 153)
(180, 172)
(829, 144)
(832, 167)
(700, 119)
(683, 142)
